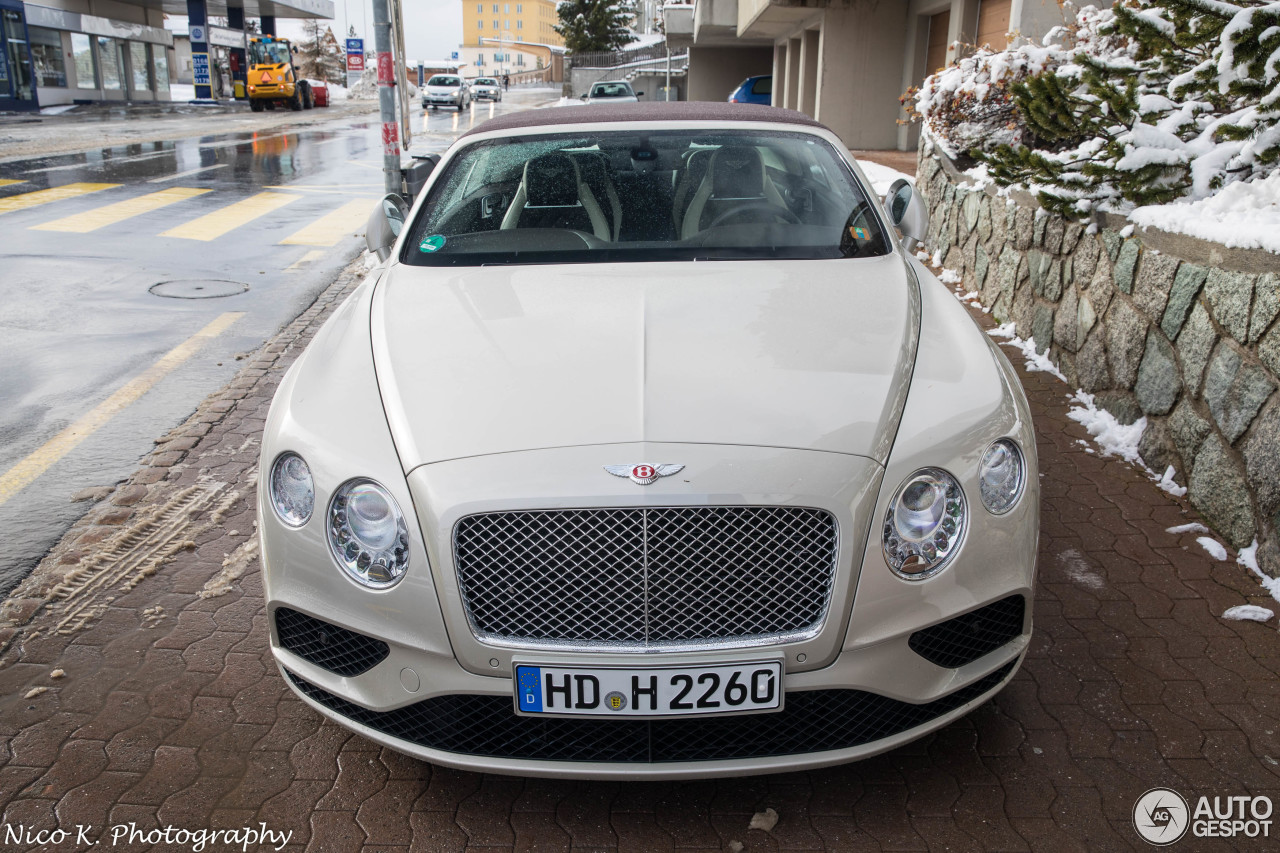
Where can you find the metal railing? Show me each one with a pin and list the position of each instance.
(614, 58)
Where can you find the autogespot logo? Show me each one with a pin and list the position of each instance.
(1160, 816)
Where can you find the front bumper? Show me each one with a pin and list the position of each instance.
(833, 715)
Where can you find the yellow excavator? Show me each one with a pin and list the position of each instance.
(273, 80)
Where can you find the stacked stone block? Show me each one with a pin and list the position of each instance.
(1193, 345)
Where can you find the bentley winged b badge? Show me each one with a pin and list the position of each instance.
(644, 473)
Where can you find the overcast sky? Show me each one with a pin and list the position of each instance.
(432, 28)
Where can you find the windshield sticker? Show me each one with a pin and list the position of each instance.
(859, 233)
(434, 243)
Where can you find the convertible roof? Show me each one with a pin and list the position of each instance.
(705, 111)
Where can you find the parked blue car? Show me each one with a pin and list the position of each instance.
(754, 90)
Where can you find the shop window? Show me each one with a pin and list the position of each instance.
(160, 65)
(46, 57)
(111, 61)
(138, 67)
(82, 55)
(18, 59)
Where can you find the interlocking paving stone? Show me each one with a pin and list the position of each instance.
(179, 716)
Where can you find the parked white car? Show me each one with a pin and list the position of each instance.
(487, 88)
(613, 92)
(446, 90)
(648, 452)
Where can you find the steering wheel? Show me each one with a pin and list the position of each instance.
(755, 207)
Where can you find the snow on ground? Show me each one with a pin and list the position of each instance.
(58, 110)
(1244, 215)
(182, 91)
(1247, 613)
(1193, 527)
(1215, 548)
(1113, 437)
(882, 177)
(1035, 361)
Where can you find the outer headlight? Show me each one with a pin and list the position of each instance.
(1002, 476)
(367, 534)
(292, 492)
(925, 524)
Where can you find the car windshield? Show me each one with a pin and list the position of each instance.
(268, 53)
(486, 81)
(611, 90)
(442, 80)
(645, 196)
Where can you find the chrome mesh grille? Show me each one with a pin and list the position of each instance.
(645, 577)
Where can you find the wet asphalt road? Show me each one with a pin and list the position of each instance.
(239, 230)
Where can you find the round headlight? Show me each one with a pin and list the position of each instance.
(367, 534)
(292, 493)
(925, 523)
(1001, 477)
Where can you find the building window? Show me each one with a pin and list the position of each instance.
(519, 25)
(111, 61)
(506, 8)
(506, 25)
(495, 24)
(160, 65)
(46, 57)
(495, 8)
(479, 59)
(479, 8)
(519, 59)
(138, 67)
(519, 8)
(82, 54)
(479, 25)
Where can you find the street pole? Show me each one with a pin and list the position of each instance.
(668, 93)
(387, 97)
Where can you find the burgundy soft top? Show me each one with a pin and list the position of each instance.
(710, 111)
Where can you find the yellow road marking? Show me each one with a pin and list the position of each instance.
(4, 182)
(306, 260)
(332, 227)
(365, 192)
(22, 201)
(25, 472)
(305, 187)
(92, 220)
(211, 226)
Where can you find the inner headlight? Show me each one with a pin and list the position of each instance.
(367, 534)
(292, 492)
(1001, 477)
(925, 523)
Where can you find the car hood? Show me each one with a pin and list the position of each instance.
(442, 90)
(798, 354)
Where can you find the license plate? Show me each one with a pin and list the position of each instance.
(649, 691)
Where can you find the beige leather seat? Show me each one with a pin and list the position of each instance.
(735, 177)
(552, 194)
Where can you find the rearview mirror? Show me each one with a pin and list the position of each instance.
(907, 213)
(385, 224)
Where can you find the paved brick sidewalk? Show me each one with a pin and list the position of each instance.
(171, 713)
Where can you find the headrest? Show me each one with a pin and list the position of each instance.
(551, 181)
(737, 171)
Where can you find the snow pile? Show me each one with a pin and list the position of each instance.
(1113, 437)
(367, 88)
(1248, 613)
(1193, 527)
(1215, 548)
(1035, 361)
(1244, 215)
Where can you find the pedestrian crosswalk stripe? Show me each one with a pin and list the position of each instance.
(211, 226)
(329, 229)
(4, 182)
(22, 201)
(305, 261)
(92, 220)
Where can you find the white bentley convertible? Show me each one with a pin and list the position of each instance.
(648, 452)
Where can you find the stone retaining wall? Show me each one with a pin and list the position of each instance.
(1175, 329)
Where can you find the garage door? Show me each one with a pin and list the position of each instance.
(993, 23)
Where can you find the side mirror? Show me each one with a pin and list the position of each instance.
(385, 224)
(907, 213)
(639, 94)
(415, 177)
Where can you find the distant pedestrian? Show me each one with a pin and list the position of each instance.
(506, 81)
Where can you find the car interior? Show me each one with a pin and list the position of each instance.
(665, 196)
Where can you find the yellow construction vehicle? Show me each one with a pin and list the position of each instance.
(273, 80)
